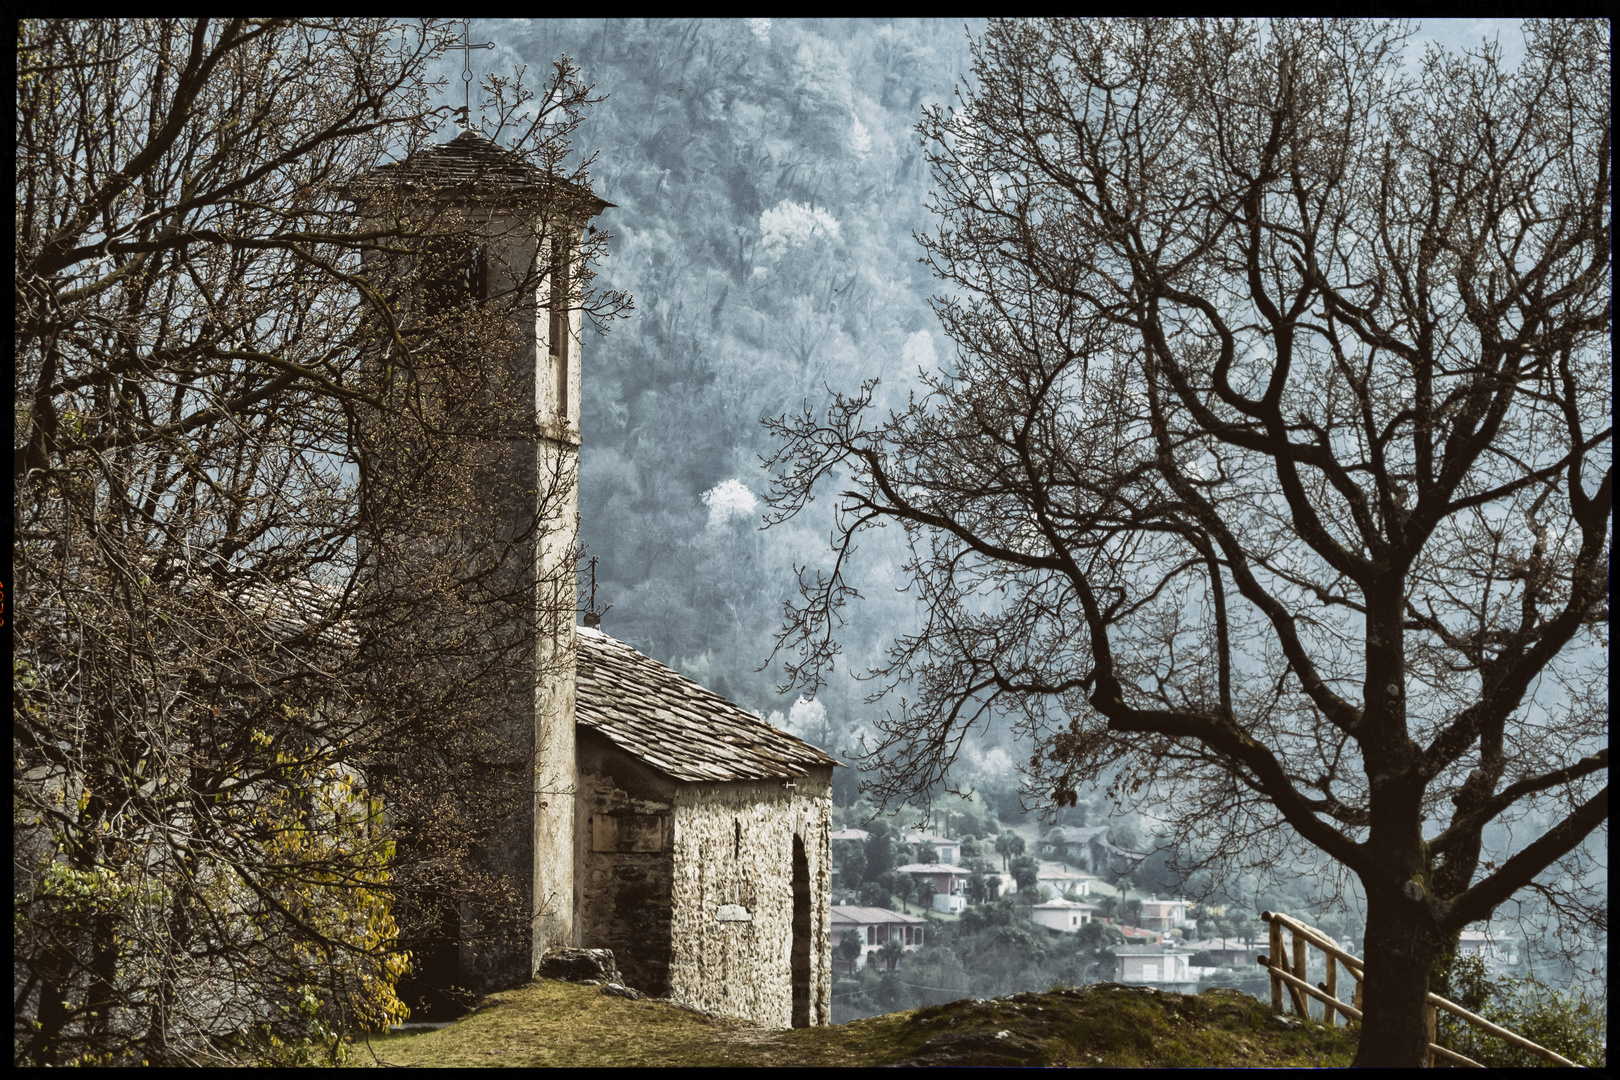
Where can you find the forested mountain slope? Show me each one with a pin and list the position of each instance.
(768, 183)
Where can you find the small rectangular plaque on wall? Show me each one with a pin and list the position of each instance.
(733, 913)
(627, 832)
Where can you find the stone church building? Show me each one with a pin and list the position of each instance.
(667, 824)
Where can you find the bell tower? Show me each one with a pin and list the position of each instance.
(557, 397)
(511, 234)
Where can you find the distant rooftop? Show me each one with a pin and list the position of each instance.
(300, 609)
(849, 913)
(1222, 944)
(675, 725)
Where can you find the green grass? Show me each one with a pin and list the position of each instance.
(554, 1023)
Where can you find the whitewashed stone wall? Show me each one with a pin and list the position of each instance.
(733, 848)
(657, 860)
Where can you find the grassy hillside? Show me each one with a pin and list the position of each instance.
(555, 1023)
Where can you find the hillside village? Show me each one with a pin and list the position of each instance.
(978, 908)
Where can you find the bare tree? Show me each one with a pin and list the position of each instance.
(241, 407)
(1271, 482)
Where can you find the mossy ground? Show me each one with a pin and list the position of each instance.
(555, 1023)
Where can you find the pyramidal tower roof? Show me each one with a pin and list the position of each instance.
(472, 168)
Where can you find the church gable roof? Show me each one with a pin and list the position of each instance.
(675, 725)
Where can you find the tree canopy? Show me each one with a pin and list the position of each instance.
(1271, 481)
(241, 406)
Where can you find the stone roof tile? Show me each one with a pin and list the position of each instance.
(473, 167)
(675, 725)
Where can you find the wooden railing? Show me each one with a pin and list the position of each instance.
(1300, 991)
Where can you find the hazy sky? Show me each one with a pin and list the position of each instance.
(1459, 34)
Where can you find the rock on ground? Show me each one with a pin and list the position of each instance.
(579, 966)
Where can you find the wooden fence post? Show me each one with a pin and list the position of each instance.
(1277, 960)
(1332, 987)
(1291, 971)
(1302, 1004)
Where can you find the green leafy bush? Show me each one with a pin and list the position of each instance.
(1567, 1022)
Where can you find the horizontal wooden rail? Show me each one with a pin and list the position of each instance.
(1280, 972)
(1454, 1057)
(1276, 963)
(1317, 938)
(1502, 1033)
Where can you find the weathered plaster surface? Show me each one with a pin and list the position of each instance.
(734, 845)
(724, 845)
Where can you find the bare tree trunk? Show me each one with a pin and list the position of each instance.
(1401, 945)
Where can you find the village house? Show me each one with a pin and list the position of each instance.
(667, 824)
(1136, 935)
(946, 849)
(858, 835)
(1227, 950)
(1165, 915)
(1066, 915)
(1498, 953)
(870, 928)
(1005, 884)
(1163, 966)
(1065, 883)
(1091, 848)
(950, 884)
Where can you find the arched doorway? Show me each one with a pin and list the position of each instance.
(801, 935)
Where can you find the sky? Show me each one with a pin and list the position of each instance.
(1456, 35)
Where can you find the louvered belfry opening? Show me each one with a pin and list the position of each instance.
(557, 345)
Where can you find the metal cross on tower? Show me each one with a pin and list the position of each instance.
(466, 48)
(593, 616)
